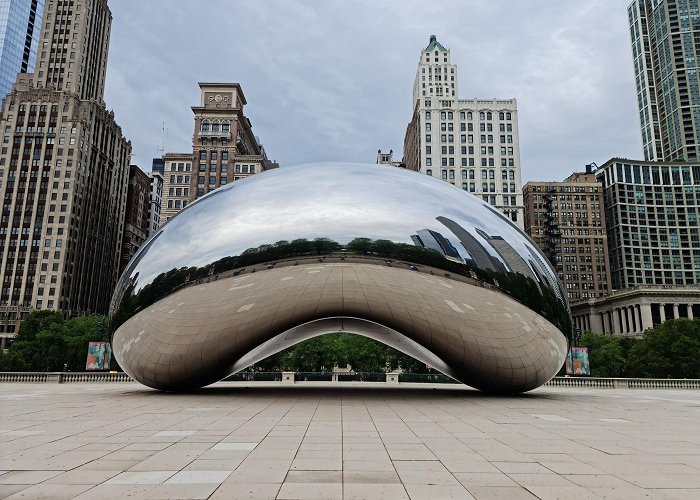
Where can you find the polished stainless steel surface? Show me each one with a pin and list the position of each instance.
(340, 247)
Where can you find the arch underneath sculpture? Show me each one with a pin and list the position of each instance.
(354, 326)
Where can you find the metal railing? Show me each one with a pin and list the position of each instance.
(426, 378)
(23, 377)
(64, 377)
(313, 377)
(300, 377)
(625, 383)
(95, 377)
(254, 377)
(581, 382)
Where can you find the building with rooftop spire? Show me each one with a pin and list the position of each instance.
(470, 143)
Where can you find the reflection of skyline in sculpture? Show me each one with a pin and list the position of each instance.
(543, 269)
(547, 273)
(427, 238)
(478, 253)
(533, 267)
(509, 255)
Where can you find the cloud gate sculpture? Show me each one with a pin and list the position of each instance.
(264, 263)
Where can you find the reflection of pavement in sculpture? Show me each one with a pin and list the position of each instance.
(261, 264)
(196, 334)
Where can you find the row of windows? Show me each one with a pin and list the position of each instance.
(469, 127)
(215, 127)
(464, 139)
(469, 162)
(470, 174)
(214, 142)
(467, 115)
(177, 204)
(179, 179)
(653, 175)
(213, 155)
(485, 150)
(201, 180)
(179, 192)
(180, 167)
(563, 189)
(223, 168)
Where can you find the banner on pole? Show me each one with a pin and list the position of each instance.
(99, 356)
(577, 362)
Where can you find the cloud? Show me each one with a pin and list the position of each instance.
(332, 80)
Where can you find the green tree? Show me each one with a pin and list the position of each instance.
(35, 322)
(669, 350)
(47, 342)
(605, 355)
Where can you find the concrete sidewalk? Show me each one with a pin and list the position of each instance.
(330, 441)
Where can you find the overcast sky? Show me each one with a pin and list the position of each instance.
(333, 79)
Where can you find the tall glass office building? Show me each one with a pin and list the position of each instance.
(20, 24)
(666, 50)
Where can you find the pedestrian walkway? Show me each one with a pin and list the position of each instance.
(322, 441)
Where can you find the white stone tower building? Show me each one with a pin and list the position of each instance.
(471, 143)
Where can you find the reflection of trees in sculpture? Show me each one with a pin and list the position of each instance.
(165, 283)
(522, 288)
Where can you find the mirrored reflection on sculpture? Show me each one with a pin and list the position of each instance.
(264, 263)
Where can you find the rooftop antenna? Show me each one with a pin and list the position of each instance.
(163, 140)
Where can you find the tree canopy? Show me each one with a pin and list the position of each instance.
(669, 350)
(47, 342)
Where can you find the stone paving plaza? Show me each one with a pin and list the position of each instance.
(231, 441)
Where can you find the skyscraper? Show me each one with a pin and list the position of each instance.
(666, 51)
(567, 222)
(470, 143)
(64, 168)
(20, 24)
(651, 213)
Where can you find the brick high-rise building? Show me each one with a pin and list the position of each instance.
(567, 222)
(136, 222)
(666, 51)
(64, 168)
(20, 24)
(470, 143)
